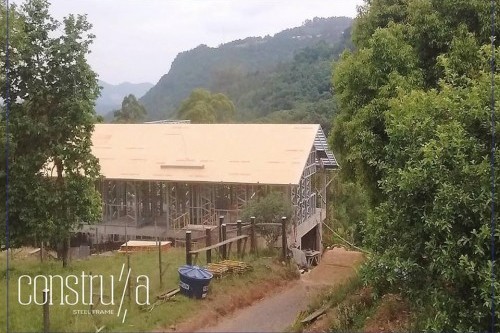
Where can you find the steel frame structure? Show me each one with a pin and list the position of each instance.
(174, 205)
(302, 196)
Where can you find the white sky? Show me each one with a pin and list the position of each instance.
(137, 40)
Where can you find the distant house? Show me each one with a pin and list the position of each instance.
(161, 179)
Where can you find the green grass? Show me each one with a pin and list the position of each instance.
(360, 316)
(28, 318)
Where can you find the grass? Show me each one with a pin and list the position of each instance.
(331, 297)
(352, 308)
(224, 294)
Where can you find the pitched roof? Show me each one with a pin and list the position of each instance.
(228, 153)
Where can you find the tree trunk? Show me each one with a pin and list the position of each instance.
(41, 252)
(65, 252)
(65, 241)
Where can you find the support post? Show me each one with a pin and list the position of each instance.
(320, 227)
(325, 193)
(253, 241)
(283, 238)
(91, 305)
(128, 261)
(129, 293)
(159, 262)
(221, 220)
(208, 233)
(46, 315)
(238, 242)
(161, 198)
(137, 204)
(224, 237)
(188, 248)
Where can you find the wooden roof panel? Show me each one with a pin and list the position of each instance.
(229, 153)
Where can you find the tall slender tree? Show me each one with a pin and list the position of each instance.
(131, 112)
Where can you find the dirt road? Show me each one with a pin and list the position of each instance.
(275, 313)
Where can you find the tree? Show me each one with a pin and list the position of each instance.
(204, 107)
(14, 41)
(413, 128)
(52, 93)
(131, 112)
(268, 209)
(432, 234)
(398, 45)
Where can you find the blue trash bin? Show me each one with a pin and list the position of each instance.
(194, 281)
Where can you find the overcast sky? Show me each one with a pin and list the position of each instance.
(137, 40)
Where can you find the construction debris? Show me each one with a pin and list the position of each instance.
(143, 246)
(168, 294)
(228, 266)
(237, 267)
(218, 270)
(162, 298)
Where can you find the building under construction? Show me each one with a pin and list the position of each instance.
(162, 179)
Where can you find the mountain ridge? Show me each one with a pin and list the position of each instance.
(202, 66)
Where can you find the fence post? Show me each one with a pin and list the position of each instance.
(238, 242)
(224, 237)
(188, 248)
(46, 318)
(221, 220)
(91, 296)
(253, 245)
(208, 233)
(97, 240)
(283, 238)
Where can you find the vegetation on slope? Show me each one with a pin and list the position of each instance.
(233, 62)
(414, 131)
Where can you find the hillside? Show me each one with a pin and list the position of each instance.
(112, 95)
(233, 63)
(299, 91)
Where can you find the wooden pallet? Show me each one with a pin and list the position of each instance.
(237, 267)
(218, 270)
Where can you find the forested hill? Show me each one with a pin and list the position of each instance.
(221, 68)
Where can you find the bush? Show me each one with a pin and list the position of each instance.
(269, 209)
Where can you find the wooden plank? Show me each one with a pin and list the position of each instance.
(215, 246)
(168, 294)
(315, 314)
(274, 224)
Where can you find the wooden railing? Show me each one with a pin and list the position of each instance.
(181, 221)
(231, 215)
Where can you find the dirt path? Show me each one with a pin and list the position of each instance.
(275, 313)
